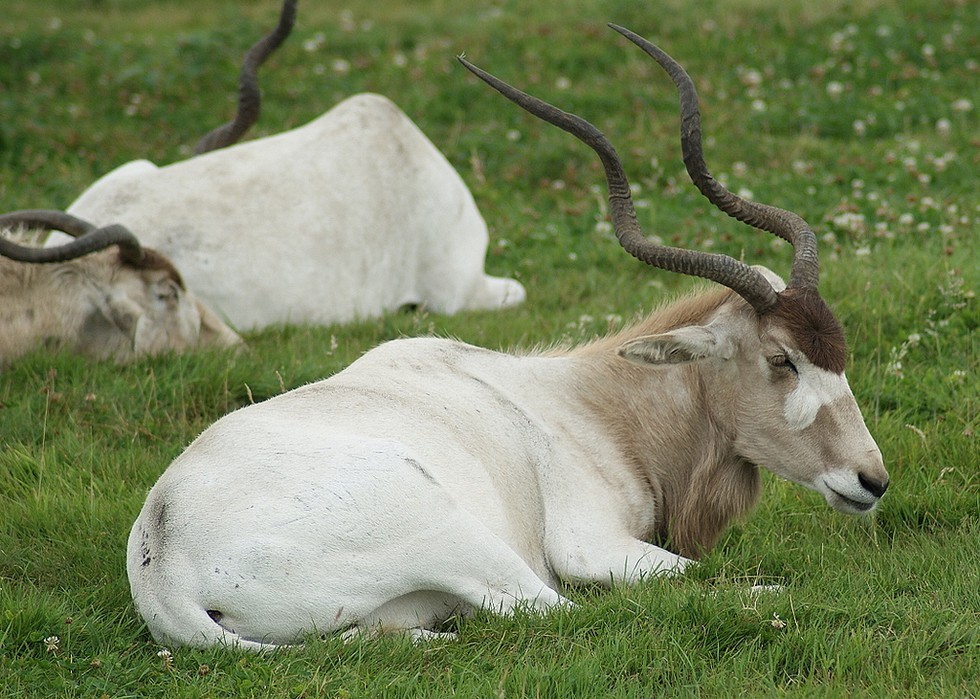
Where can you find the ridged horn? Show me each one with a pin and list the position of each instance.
(88, 238)
(785, 224)
(249, 94)
(737, 276)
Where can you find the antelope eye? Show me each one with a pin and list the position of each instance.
(781, 361)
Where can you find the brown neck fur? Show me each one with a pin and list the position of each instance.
(696, 480)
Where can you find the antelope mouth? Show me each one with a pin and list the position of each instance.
(847, 504)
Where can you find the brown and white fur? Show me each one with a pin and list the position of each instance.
(102, 306)
(432, 477)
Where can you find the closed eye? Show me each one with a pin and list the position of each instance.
(781, 361)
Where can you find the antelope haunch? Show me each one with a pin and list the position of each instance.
(354, 214)
(432, 477)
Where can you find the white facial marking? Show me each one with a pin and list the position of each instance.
(815, 388)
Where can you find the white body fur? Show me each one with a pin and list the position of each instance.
(432, 476)
(350, 215)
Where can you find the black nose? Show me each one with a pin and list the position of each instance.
(873, 485)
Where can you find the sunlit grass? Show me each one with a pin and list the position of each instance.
(861, 116)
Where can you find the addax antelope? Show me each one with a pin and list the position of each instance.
(433, 477)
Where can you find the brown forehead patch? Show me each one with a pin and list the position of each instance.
(813, 327)
(153, 260)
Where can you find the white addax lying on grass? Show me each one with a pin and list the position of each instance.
(351, 215)
(433, 477)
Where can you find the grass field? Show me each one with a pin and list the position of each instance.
(859, 115)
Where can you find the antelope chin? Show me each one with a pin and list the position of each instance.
(844, 497)
(844, 504)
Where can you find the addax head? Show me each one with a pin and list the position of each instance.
(797, 415)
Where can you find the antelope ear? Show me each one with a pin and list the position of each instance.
(214, 331)
(680, 346)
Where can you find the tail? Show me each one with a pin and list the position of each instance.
(167, 604)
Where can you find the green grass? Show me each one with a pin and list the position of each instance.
(861, 116)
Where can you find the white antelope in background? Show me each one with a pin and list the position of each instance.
(432, 477)
(351, 215)
(104, 294)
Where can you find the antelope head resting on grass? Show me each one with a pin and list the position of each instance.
(102, 294)
(432, 477)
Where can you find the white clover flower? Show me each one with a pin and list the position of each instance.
(52, 644)
(315, 43)
(563, 83)
(513, 135)
(802, 167)
(340, 66)
(346, 21)
(751, 77)
(944, 127)
(850, 221)
(835, 89)
(906, 219)
(860, 127)
(962, 105)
